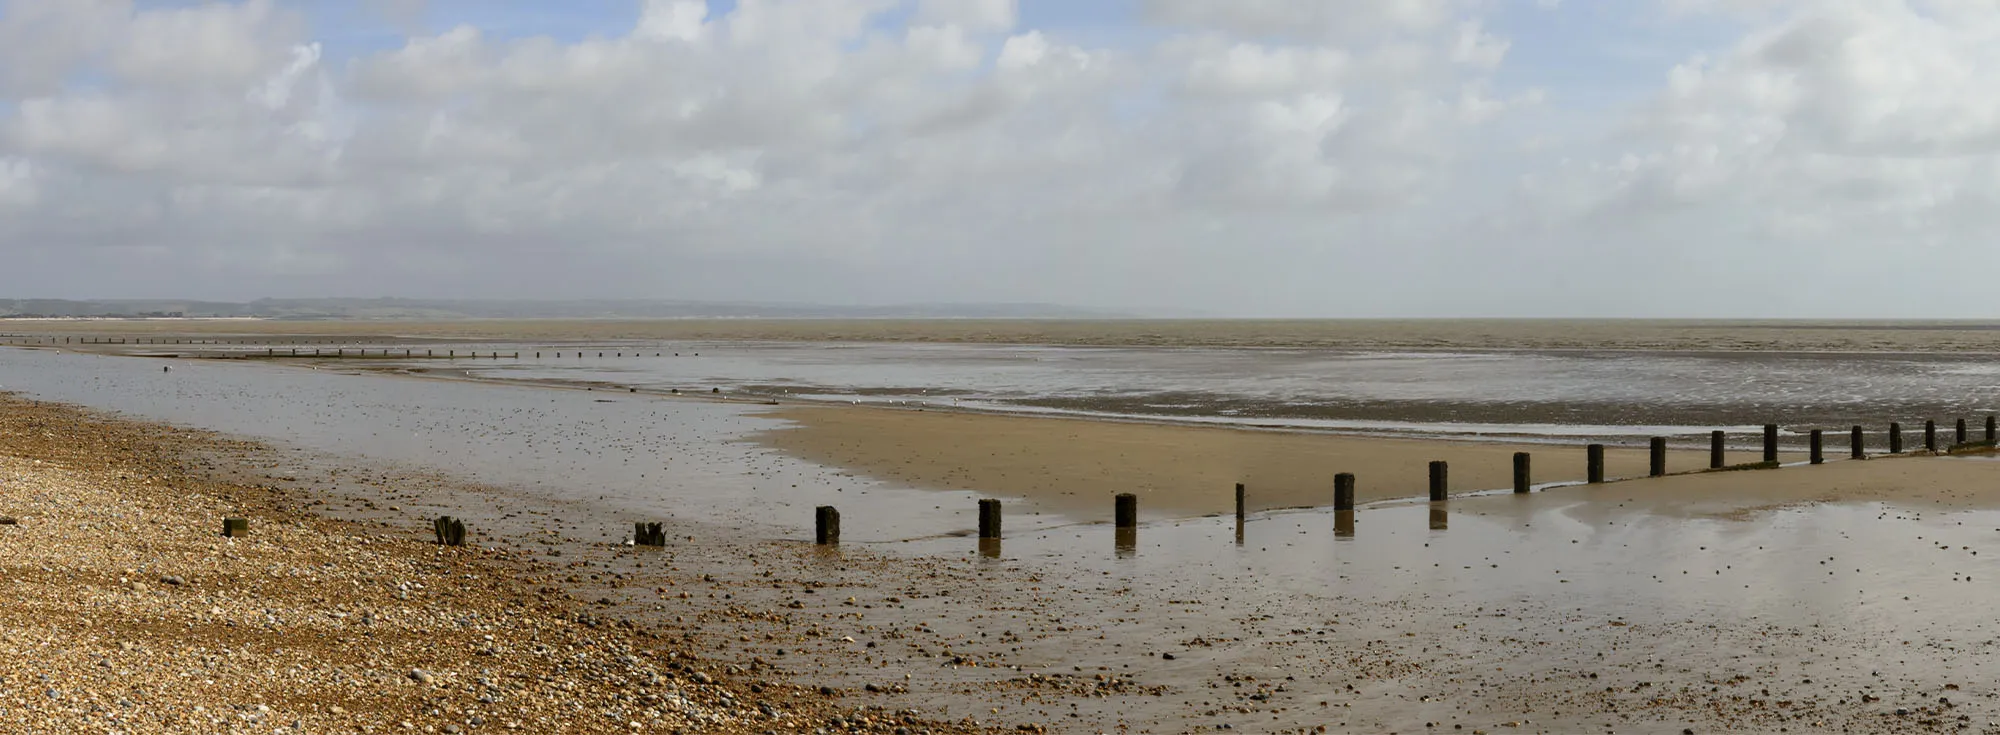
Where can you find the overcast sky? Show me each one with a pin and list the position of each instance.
(1227, 157)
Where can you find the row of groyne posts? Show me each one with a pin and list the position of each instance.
(320, 352)
(1125, 506)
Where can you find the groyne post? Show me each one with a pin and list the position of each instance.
(1657, 456)
(649, 534)
(1439, 483)
(1958, 432)
(1593, 463)
(1992, 429)
(989, 518)
(1125, 510)
(826, 526)
(450, 531)
(1930, 435)
(1343, 491)
(1521, 475)
(1715, 459)
(1854, 449)
(1770, 442)
(1817, 456)
(1239, 501)
(1895, 438)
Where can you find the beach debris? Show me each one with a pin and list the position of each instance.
(234, 527)
(9, 521)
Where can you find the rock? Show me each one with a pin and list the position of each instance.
(8, 521)
(172, 581)
(420, 676)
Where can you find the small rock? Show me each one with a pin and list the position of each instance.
(8, 521)
(420, 676)
(174, 581)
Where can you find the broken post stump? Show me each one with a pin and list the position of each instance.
(1855, 450)
(1930, 435)
(989, 518)
(1440, 488)
(1126, 510)
(1343, 491)
(1593, 469)
(648, 534)
(1818, 457)
(1895, 438)
(1522, 481)
(826, 526)
(450, 531)
(1657, 456)
(1770, 443)
(234, 527)
(1715, 458)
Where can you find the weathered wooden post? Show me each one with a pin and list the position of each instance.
(989, 518)
(1125, 510)
(234, 527)
(450, 531)
(826, 526)
(1715, 455)
(1770, 443)
(1992, 429)
(1930, 435)
(1958, 432)
(1343, 491)
(1854, 451)
(1439, 485)
(1895, 438)
(1818, 457)
(1239, 501)
(1522, 480)
(1657, 456)
(1593, 468)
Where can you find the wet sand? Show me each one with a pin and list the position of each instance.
(1076, 466)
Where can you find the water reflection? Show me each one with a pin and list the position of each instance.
(989, 548)
(1126, 541)
(1343, 523)
(1440, 518)
(1239, 530)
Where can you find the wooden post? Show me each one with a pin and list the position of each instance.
(1992, 429)
(1239, 501)
(1593, 463)
(1343, 491)
(826, 526)
(1818, 457)
(1126, 510)
(1439, 485)
(1959, 436)
(1715, 458)
(1770, 442)
(1930, 435)
(450, 531)
(1855, 451)
(989, 518)
(234, 527)
(1657, 454)
(1521, 476)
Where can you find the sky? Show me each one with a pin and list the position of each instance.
(1279, 158)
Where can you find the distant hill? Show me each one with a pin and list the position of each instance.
(395, 308)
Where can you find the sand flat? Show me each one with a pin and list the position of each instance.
(1077, 465)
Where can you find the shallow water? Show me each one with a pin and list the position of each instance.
(1515, 394)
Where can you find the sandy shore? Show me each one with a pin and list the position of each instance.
(1077, 466)
(127, 611)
